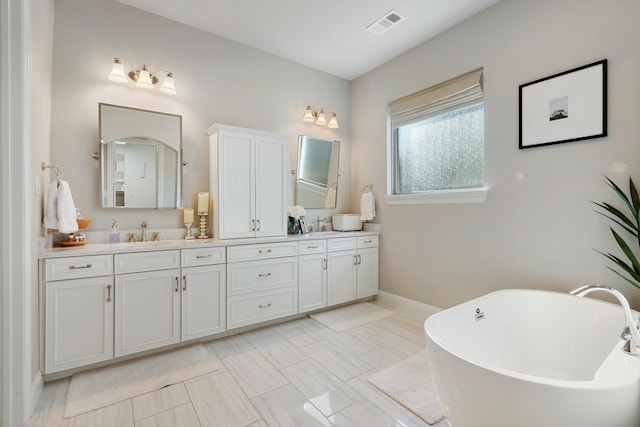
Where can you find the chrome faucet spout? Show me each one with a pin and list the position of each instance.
(634, 340)
(143, 238)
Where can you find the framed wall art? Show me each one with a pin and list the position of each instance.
(565, 107)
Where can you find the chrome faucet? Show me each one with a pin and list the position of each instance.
(143, 238)
(631, 325)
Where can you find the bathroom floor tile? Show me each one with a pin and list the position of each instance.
(287, 407)
(183, 416)
(254, 373)
(335, 399)
(120, 414)
(50, 408)
(343, 365)
(301, 332)
(310, 378)
(275, 348)
(219, 401)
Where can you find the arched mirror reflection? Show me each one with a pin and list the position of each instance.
(140, 152)
(317, 172)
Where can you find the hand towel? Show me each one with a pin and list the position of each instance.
(330, 200)
(367, 206)
(60, 211)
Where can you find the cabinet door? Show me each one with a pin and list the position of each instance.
(203, 301)
(271, 215)
(341, 282)
(236, 186)
(367, 280)
(312, 285)
(147, 310)
(78, 322)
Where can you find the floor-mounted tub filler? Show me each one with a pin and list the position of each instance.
(529, 358)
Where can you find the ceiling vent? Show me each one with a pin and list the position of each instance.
(389, 20)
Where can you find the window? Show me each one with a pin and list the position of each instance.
(437, 144)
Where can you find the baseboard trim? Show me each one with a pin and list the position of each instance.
(409, 305)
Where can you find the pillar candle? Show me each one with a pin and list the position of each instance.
(188, 216)
(203, 202)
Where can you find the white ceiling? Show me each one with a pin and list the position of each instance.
(328, 35)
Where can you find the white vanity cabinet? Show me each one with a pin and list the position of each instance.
(262, 282)
(204, 286)
(78, 309)
(147, 310)
(352, 268)
(248, 177)
(312, 275)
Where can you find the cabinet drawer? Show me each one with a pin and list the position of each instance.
(77, 267)
(312, 247)
(147, 261)
(261, 251)
(250, 276)
(341, 244)
(367, 242)
(203, 256)
(258, 307)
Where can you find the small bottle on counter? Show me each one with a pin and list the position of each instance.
(114, 235)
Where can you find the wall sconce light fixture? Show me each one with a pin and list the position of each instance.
(142, 77)
(320, 118)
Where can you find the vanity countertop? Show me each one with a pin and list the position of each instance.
(125, 247)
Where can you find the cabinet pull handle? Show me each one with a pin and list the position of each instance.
(359, 259)
(177, 284)
(108, 293)
(268, 251)
(368, 241)
(258, 221)
(313, 247)
(324, 264)
(253, 225)
(264, 306)
(355, 260)
(203, 256)
(78, 267)
(184, 283)
(264, 275)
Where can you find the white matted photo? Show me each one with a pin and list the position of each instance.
(565, 107)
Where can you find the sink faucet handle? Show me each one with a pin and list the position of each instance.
(132, 237)
(156, 236)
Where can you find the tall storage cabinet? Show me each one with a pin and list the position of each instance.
(247, 181)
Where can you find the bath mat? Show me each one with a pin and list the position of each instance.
(410, 384)
(351, 316)
(111, 384)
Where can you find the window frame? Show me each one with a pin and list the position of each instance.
(455, 196)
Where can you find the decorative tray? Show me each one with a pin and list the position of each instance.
(65, 244)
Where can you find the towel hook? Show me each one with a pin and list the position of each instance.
(367, 187)
(44, 166)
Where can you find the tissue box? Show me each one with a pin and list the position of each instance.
(347, 222)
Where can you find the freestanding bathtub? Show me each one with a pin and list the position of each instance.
(528, 358)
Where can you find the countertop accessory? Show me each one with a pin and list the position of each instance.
(188, 235)
(203, 225)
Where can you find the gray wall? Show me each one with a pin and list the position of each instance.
(218, 81)
(536, 234)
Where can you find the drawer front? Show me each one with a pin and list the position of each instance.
(261, 251)
(258, 307)
(367, 242)
(312, 247)
(203, 256)
(77, 267)
(250, 276)
(147, 261)
(341, 244)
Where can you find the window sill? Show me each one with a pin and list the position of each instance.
(472, 195)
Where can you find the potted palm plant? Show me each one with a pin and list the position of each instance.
(629, 219)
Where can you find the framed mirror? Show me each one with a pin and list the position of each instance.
(140, 158)
(317, 173)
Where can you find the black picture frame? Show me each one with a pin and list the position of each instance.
(303, 225)
(565, 107)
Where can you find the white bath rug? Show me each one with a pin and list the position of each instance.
(410, 384)
(105, 386)
(351, 316)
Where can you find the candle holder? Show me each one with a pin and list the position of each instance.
(203, 225)
(188, 235)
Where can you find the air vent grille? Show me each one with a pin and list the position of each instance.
(389, 20)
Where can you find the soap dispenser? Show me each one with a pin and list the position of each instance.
(114, 236)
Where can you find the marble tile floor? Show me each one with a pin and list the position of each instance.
(298, 373)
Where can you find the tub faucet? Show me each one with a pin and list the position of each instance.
(632, 326)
